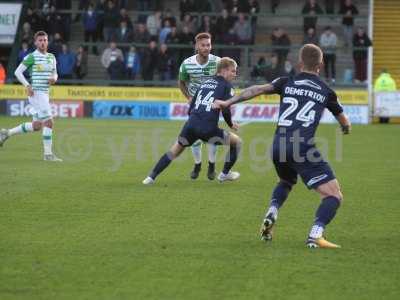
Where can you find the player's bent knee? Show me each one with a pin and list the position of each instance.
(48, 123)
(36, 125)
(286, 184)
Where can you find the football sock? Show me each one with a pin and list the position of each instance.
(324, 215)
(231, 158)
(161, 165)
(212, 153)
(279, 195)
(196, 150)
(47, 134)
(23, 128)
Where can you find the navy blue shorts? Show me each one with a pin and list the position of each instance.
(190, 133)
(312, 168)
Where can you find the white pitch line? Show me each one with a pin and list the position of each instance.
(245, 123)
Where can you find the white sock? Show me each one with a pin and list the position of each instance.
(23, 128)
(196, 150)
(212, 153)
(316, 231)
(47, 140)
(272, 210)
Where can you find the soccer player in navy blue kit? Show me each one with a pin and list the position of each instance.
(303, 99)
(203, 123)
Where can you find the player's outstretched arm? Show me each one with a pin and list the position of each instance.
(344, 123)
(246, 94)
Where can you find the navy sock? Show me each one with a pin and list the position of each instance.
(326, 211)
(231, 158)
(280, 194)
(161, 165)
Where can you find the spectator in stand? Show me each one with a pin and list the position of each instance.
(117, 70)
(164, 31)
(83, 5)
(186, 6)
(361, 41)
(81, 63)
(111, 17)
(254, 7)
(100, 9)
(165, 64)
(274, 5)
(385, 83)
(259, 69)
(65, 17)
(173, 38)
(3, 74)
(34, 20)
(224, 23)
(281, 43)
(123, 16)
(111, 54)
(330, 7)
(24, 51)
(56, 21)
(207, 25)
(189, 22)
(328, 44)
(153, 24)
(65, 63)
(43, 13)
(274, 70)
(242, 28)
(186, 38)
(55, 46)
(90, 20)
(27, 33)
(150, 61)
(310, 11)
(141, 34)
(132, 63)
(310, 37)
(348, 10)
(230, 38)
(124, 34)
(169, 16)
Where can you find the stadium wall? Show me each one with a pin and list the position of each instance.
(139, 103)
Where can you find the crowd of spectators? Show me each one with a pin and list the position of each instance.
(328, 40)
(163, 39)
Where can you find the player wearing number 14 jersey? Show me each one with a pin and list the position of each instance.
(304, 97)
(203, 123)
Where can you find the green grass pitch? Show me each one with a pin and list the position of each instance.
(88, 229)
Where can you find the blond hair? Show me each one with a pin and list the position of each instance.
(225, 63)
(311, 56)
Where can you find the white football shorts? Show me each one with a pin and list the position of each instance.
(41, 109)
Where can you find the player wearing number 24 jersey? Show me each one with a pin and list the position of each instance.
(203, 123)
(303, 99)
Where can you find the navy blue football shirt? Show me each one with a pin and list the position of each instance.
(201, 111)
(303, 99)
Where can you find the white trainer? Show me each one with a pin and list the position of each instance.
(148, 180)
(3, 136)
(231, 176)
(51, 157)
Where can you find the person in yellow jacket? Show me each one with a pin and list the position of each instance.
(384, 83)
